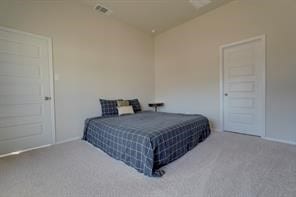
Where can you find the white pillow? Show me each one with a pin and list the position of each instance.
(125, 110)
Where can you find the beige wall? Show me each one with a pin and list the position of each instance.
(187, 61)
(95, 57)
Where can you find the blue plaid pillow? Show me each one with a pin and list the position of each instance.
(109, 107)
(136, 105)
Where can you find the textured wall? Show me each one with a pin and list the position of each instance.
(94, 56)
(187, 61)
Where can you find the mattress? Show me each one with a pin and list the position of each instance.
(147, 141)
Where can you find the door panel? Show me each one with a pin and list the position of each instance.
(25, 117)
(244, 92)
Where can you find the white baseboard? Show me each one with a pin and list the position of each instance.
(216, 130)
(47, 145)
(25, 150)
(69, 140)
(277, 140)
(265, 138)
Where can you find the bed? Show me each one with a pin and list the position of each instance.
(147, 141)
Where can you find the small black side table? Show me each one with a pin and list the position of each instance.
(155, 105)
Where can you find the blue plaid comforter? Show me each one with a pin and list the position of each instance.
(147, 141)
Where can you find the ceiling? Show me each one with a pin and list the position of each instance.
(156, 16)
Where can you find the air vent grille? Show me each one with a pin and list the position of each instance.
(103, 10)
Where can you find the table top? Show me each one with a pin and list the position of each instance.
(155, 104)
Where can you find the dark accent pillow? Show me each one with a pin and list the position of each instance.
(136, 105)
(109, 107)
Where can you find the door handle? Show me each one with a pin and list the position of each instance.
(47, 98)
(226, 94)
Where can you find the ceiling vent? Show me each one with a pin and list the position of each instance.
(103, 10)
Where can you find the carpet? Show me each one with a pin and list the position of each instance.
(225, 164)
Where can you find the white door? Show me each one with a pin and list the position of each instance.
(244, 86)
(26, 114)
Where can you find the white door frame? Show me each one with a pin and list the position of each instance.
(262, 38)
(51, 82)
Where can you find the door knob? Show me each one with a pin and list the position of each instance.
(226, 94)
(47, 98)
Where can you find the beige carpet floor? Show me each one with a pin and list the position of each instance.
(226, 164)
